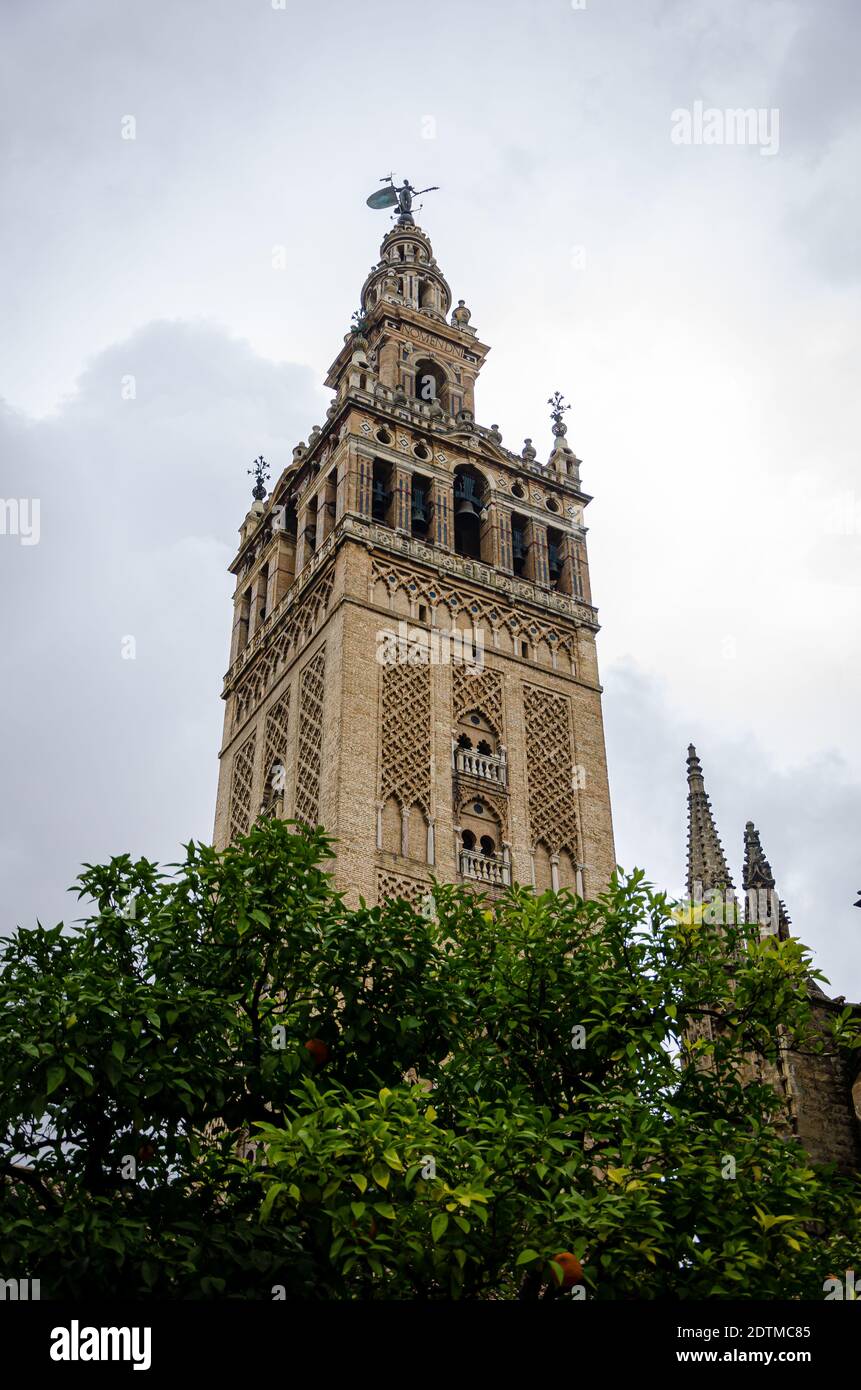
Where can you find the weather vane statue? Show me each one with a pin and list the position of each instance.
(400, 197)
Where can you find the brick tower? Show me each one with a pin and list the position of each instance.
(413, 658)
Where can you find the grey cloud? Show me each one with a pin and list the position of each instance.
(140, 501)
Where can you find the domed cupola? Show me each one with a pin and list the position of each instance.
(408, 274)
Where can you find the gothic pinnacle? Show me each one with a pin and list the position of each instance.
(762, 902)
(757, 870)
(707, 864)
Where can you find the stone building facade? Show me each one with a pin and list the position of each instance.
(413, 661)
(820, 1093)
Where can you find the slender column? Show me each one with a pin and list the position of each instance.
(580, 571)
(403, 492)
(503, 539)
(302, 553)
(443, 513)
(538, 553)
(242, 614)
(360, 483)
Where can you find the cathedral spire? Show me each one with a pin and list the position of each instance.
(707, 866)
(762, 904)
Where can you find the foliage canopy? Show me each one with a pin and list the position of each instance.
(487, 1085)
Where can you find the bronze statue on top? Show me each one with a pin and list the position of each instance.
(399, 197)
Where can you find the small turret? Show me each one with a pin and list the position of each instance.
(762, 904)
(562, 459)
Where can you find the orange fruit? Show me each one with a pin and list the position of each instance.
(572, 1270)
(318, 1049)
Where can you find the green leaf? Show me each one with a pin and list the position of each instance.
(54, 1079)
(112, 1069)
(273, 1192)
(380, 1174)
(526, 1257)
(439, 1226)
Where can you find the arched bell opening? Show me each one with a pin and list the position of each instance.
(382, 493)
(558, 566)
(472, 537)
(520, 545)
(310, 531)
(329, 501)
(421, 506)
(431, 382)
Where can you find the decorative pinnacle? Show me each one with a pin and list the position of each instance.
(557, 402)
(694, 766)
(261, 473)
(758, 880)
(757, 870)
(707, 864)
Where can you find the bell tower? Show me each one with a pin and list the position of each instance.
(413, 659)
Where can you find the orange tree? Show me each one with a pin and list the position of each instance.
(224, 1082)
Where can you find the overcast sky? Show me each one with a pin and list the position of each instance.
(698, 303)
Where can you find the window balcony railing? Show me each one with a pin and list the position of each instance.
(491, 869)
(490, 767)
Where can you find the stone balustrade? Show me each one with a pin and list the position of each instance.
(490, 767)
(491, 869)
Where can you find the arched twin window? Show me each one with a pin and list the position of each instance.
(485, 845)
